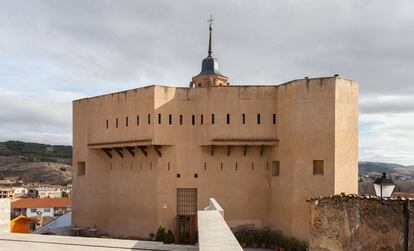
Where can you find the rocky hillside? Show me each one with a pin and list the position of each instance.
(35, 163)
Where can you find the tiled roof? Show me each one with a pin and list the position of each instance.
(42, 203)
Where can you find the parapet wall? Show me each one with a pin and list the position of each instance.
(4, 215)
(352, 222)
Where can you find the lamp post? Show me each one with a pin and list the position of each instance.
(383, 188)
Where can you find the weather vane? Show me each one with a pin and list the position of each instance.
(211, 19)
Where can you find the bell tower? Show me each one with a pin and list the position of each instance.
(210, 75)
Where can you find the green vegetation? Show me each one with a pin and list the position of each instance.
(32, 152)
(265, 237)
(161, 234)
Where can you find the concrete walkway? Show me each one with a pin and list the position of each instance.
(65, 243)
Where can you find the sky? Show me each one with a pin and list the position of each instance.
(52, 52)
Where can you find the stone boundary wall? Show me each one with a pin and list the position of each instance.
(353, 222)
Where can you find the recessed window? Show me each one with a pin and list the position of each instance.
(201, 119)
(137, 120)
(46, 210)
(228, 118)
(168, 166)
(116, 122)
(126, 122)
(205, 166)
(178, 175)
(236, 166)
(170, 119)
(274, 118)
(243, 118)
(107, 124)
(181, 119)
(258, 118)
(221, 166)
(81, 168)
(318, 167)
(275, 168)
(159, 118)
(252, 165)
(33, 210)
(196, 175)
(193, 119)
(212, 119)
(149, 118)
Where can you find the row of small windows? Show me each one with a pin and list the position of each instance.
(318, 168)
(193, 119)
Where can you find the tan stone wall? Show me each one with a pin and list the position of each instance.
(357, 223)
(124, 195)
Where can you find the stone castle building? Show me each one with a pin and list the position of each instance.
(154, 155)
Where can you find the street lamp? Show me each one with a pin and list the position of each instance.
(383, 188)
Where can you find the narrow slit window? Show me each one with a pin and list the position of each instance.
(318, 168)
(258, 118)
(159, 118)
(116, 122)
(169, 166)
(221, 166)
(193, 119)
(170, 119)
(149, 118)
(228, 118)
(137, 120)
(201, 119)
(107, 124)
(236, 166)
(252, 166)
(205, 166)
(243, 118)
(81, 168)
(126, 122)
(212, 119)
(181, 119)
(274, 118)
(275, 168)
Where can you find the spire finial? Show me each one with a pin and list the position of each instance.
(210, 20)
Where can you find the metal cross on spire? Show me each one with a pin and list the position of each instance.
(210, 20)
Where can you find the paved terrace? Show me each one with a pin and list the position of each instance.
(35, 242)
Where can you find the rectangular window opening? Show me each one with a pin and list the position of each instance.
(181, 119)
(81, 168)
(137, 120)
(201, 119)
(196, 175)
(126, 122)
(275, 168)
(243, 118)
(318, 167)
(228, 118)
(212, 119)
(193, 119)
(107, 124)
(170, 119)
(149, 119)
(274, 118)
(258, 118)
(178, 175)
(116, 123)
(159, 118)
(168, 166)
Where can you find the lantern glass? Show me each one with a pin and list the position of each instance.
(386, 190)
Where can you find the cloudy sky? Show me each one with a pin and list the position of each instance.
(52, 52)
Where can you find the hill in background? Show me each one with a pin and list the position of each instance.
(36, 163)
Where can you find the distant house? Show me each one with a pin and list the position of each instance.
(6, 193)
(20, 192)
(45, 192)
(44, 207)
